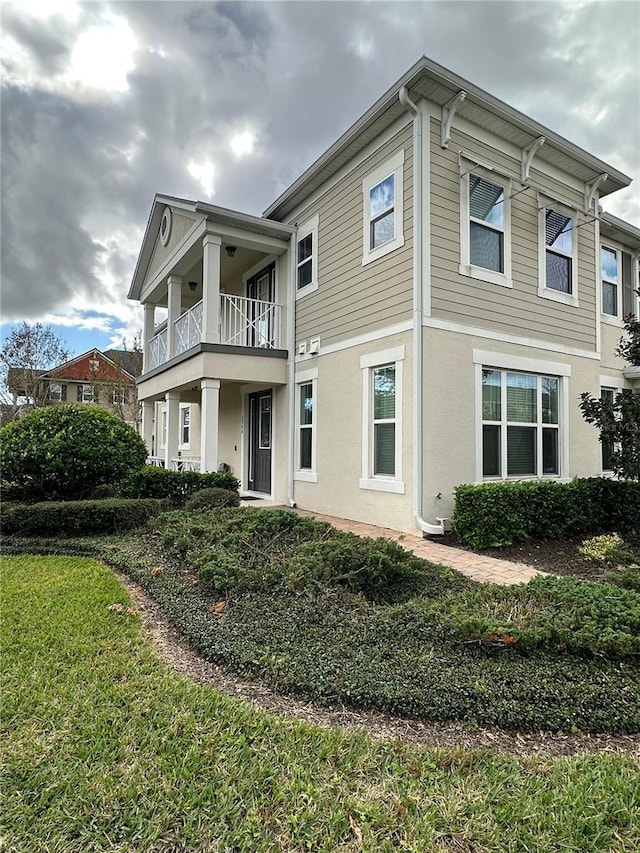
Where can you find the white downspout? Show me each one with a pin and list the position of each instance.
(418, 276)
(291, 365)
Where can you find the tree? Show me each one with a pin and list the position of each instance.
(28, 351)
(619, 419)
(117, 392)
(64, 452)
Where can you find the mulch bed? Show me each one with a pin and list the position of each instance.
(555, 556)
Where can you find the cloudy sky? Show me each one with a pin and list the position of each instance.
(106, 103)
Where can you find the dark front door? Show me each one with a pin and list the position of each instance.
(259, 479)
(261, 318)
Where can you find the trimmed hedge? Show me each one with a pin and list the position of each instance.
(173, 486)
(60, 453)
(208, 499)
(494, 515)
(79, 518)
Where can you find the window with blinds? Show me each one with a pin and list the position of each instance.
(384, 421)
(520, 424)
(487, 223)
(559, 251)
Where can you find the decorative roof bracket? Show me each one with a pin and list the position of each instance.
(528, 154)
(591, 190)
(448, 112)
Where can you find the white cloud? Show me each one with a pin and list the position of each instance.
(242, 143)
(203, 173)
(103, 55)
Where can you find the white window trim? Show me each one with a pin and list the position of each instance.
(393, 166)
(549, 292)
(611, 319)
(466, 267)
(184, 445)
(563, 414)
(306, 475)
(368, 363)
(309, 227)
(502, 361)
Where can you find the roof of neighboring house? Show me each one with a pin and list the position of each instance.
(426, 79)
(79, 369)
(128, 360)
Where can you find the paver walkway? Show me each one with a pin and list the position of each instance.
(476, 566)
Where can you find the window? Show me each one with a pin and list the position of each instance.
(163, 438)
(307, 258)
(58, 391)
(607, 395)
(382, 421)
(610, 271)
(485, 246)
(185, 425)
(306, 391)
(520, 424)
(86, 394)
(120, 395)
(383, 209)
(558, 278)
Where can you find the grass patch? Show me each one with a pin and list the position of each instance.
(105, 749)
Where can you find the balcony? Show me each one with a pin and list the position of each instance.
(243, 323)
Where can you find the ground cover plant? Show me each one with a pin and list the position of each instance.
(105, 749)
(374, 627)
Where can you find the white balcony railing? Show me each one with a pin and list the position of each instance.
(189, 463)
(158, 349)
(189, 329)
(243, 323)
(249, 322)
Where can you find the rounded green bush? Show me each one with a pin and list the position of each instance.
(214, 498)
(65, 452)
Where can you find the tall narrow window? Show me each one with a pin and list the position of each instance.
(305, 414)
(486, 224)
(305, 261)
(383, 214)
(610, 279)
(607, 395)
(559, 251)
(384, 421)
(520, 423)
(185, 425)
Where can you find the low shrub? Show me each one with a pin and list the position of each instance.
(562, 614)
(213, 498)
(173, 486)
(78, 518)
(494, 515)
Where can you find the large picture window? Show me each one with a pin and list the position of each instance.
(520, 424)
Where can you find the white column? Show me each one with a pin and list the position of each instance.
(174, 304)
(211, 244)
(172, 399)
(148, 409)
(149, 324)
(209, 413)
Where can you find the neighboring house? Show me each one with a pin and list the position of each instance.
(422, 308)
(103, 378)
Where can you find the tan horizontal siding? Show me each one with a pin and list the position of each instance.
(351, 299)
(518, 310)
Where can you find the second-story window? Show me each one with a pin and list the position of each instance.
(383, 209)
(610, 270)
(559, 251)
(486, 224)
(307, 258)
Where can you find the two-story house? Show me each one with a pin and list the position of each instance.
(421, 308)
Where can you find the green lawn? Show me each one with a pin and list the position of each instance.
(105, 749)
